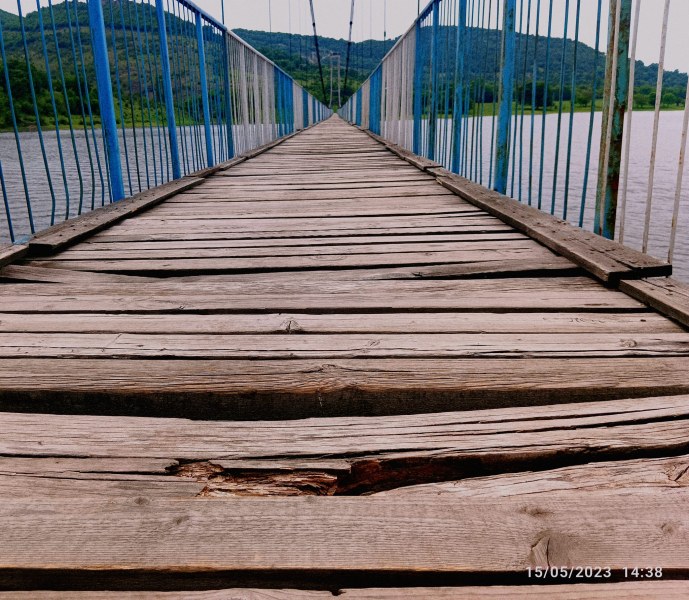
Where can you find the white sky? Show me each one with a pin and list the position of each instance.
(332, 19)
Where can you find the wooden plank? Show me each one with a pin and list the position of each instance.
(334, 539)
(288, 262)
(377, 452)
(372, 346)
(603, 258)
(319, 234)
(236, 389)
(10, 253)
(96, 243)
(631, 476)
(304, 323)
(586, 430)
(546, 294)
(628, 590)
(31, 273)
(469, 249)
(299, 225)
(69, 232)
(666, 295)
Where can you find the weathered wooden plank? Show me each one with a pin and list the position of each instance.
(287, 295)
(237, 389)
(469, 248)
(525, 322)
(289, 262)
(217, 193)
(588, 430)
(475, 455)
(462, 228)
(373, 346)
(336, 539)
(632, 476)
(605, 259)
(10, 253)
(72, 231)
(300, 225)
(641, 590)
(667, 295)
(628, 590)
(98, 244)
(31, 273)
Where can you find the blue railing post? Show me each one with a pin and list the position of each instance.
(358, 107)
(167, 90)
(204, 91)
(105, 97)
(609, 178)
(458, 102)
(507, 60)
(433, 110)
(418, 79)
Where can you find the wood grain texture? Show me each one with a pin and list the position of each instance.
(10, 253)
(641, 590)
(343, 323)
(240, 389)
(392, 389)
(78, 228)
(339, 537)
(590, 428)
(603, 258)
(669, 296)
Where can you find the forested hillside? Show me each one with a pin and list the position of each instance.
(136, 22)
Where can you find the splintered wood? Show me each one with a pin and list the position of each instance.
(319, 370)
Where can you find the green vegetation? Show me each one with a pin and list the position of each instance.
(294, 53)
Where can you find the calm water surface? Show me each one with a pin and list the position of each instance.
(153, 161)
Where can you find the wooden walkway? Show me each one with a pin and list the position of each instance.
(320, 370)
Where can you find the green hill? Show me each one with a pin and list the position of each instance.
(296, 54)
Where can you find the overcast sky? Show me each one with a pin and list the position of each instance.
(332, 19)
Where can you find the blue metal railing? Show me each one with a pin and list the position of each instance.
(102, 99)
(506, 94)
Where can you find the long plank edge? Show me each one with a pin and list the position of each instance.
(605, 259)
(628, 590)
(665, 294)
(12, 252)
(58, 236)
(332, 542)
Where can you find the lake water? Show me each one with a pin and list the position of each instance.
(151, 150)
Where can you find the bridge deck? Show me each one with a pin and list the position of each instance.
(464, 402)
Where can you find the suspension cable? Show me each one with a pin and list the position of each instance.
(318, 52)
(349, 47)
